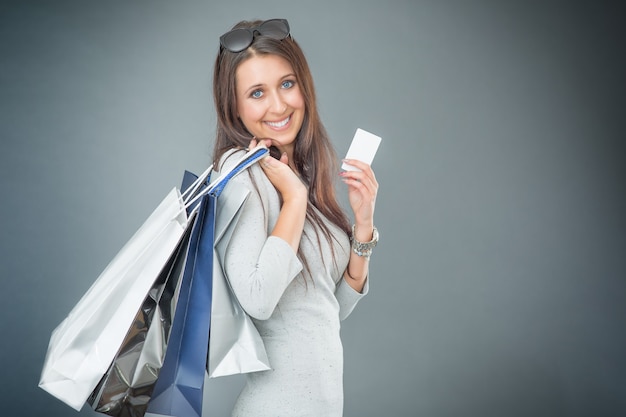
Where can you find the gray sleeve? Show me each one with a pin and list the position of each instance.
(348, 297)
(259, 266)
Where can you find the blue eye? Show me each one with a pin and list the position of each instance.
(287, 84)
(257, 94)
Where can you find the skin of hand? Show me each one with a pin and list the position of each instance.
(294, 193)
(281, 175)
(362, 191)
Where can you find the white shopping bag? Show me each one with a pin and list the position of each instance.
(235, 346)
(83, 346)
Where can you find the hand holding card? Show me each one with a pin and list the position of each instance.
(363, 148)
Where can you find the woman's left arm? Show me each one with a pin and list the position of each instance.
(362, 190)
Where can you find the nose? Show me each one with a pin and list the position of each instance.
(277, 104)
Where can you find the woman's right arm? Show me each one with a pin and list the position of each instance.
(261, 260)
(294, 195)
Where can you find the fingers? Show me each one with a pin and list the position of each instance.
(268, 166)
(283, 178)
(365, 187)
(362, 190)
(365, 176)
(356, 163)
(254, 142)
(273, 166)
(270, 161)
(362, 166)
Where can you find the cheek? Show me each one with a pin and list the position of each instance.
(249, 113)
(297, 99)
(300, 102)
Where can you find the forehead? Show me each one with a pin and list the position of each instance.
(262, 69)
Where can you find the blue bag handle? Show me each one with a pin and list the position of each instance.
(216, 187)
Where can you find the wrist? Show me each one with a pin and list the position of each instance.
(295, 199)
(297, 194)
(363, 232)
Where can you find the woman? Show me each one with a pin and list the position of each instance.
(291, 262)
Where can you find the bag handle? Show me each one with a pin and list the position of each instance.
(249, 159)
(189, 192)
(216, 187)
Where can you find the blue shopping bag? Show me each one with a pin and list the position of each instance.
(178, 391)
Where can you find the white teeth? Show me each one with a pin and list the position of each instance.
(279, 124)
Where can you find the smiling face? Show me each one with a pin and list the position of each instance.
(269, 101)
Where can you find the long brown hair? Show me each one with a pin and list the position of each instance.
(313, 156)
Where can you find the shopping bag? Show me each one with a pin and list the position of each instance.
(126, 388)
(179, 388)
(83, 346)
(235, 346)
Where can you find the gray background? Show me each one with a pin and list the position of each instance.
(498, 288)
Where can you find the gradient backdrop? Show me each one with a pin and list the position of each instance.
(499, 285)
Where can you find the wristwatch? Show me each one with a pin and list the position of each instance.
(364, 248)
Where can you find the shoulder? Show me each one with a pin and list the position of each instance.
(229, 159)
(253, 178)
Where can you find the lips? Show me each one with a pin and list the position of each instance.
(278, 125)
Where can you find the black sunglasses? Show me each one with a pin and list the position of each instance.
(237, 40)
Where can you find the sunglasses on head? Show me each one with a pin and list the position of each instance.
(237, 40)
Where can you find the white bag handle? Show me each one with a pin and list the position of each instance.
(216, 187)
(196, 184)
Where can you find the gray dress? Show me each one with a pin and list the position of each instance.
(297, 315)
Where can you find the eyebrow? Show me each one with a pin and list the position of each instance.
(255, 86)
